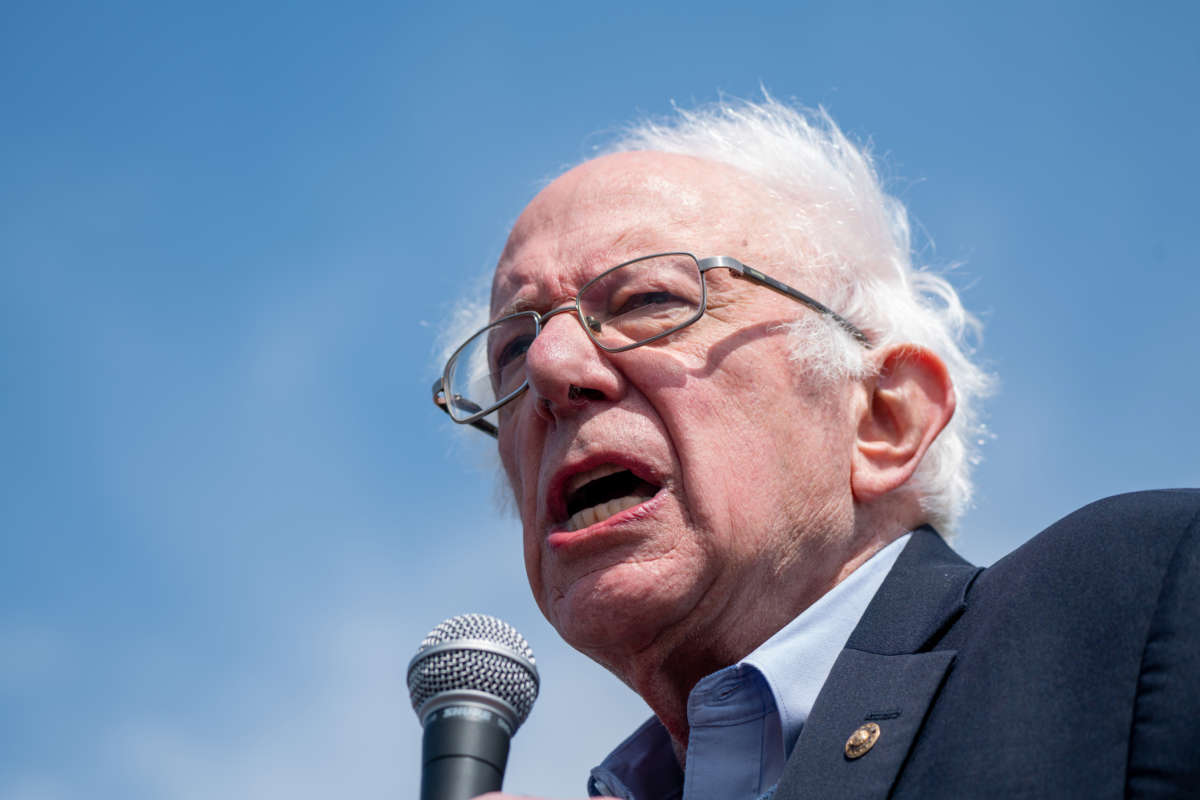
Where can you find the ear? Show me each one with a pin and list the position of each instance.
(907, 405)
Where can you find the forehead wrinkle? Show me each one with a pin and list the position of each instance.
(638, 241)
(687, 211)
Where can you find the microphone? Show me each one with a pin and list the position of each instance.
(472, 682)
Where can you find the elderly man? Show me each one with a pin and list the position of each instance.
(735, 420)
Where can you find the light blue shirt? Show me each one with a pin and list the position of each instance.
(745, 719)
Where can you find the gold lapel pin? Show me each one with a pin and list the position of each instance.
(862, 740)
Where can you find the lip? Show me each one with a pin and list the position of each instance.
(560, 539)
(556, 496)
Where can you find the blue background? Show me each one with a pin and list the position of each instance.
(229, 235)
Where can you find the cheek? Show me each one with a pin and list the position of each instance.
(511, 465)
(533, 568)
(769, 434)
(531, 539)
(520, 461)
(520, 455)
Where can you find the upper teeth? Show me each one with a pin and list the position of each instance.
(580, 478)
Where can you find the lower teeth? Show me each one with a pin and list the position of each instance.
(590, 516)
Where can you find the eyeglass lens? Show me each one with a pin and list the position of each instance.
(621, 308)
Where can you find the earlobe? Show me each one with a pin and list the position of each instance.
(906, 406)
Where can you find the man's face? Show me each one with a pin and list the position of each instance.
(686, 488)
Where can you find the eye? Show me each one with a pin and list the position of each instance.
(645, 300)
(511, 351)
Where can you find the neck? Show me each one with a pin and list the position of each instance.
(665, 673)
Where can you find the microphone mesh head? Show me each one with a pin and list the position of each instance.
(473, 669)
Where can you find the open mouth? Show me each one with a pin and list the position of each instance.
(598, 494)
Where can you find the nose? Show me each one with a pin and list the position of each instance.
(566, 370)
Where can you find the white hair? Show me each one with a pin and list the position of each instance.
(843, 233)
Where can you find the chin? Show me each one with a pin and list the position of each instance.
(610, 614)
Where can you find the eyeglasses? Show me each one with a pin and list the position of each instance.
(624, 307)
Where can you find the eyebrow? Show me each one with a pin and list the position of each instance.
(516, 306)
(636, 240)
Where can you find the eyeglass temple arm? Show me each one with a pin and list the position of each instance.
(439, 400)
(750, 273)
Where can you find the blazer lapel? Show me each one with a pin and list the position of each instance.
(885, 679)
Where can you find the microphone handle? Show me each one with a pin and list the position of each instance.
(464, 751)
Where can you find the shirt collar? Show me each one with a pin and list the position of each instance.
(643, 767)
(798, 658)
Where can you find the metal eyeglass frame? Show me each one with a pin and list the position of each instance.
(477, 421)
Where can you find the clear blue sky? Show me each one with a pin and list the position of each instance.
(228, 235)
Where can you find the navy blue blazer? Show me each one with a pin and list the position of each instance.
(1070, 668)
